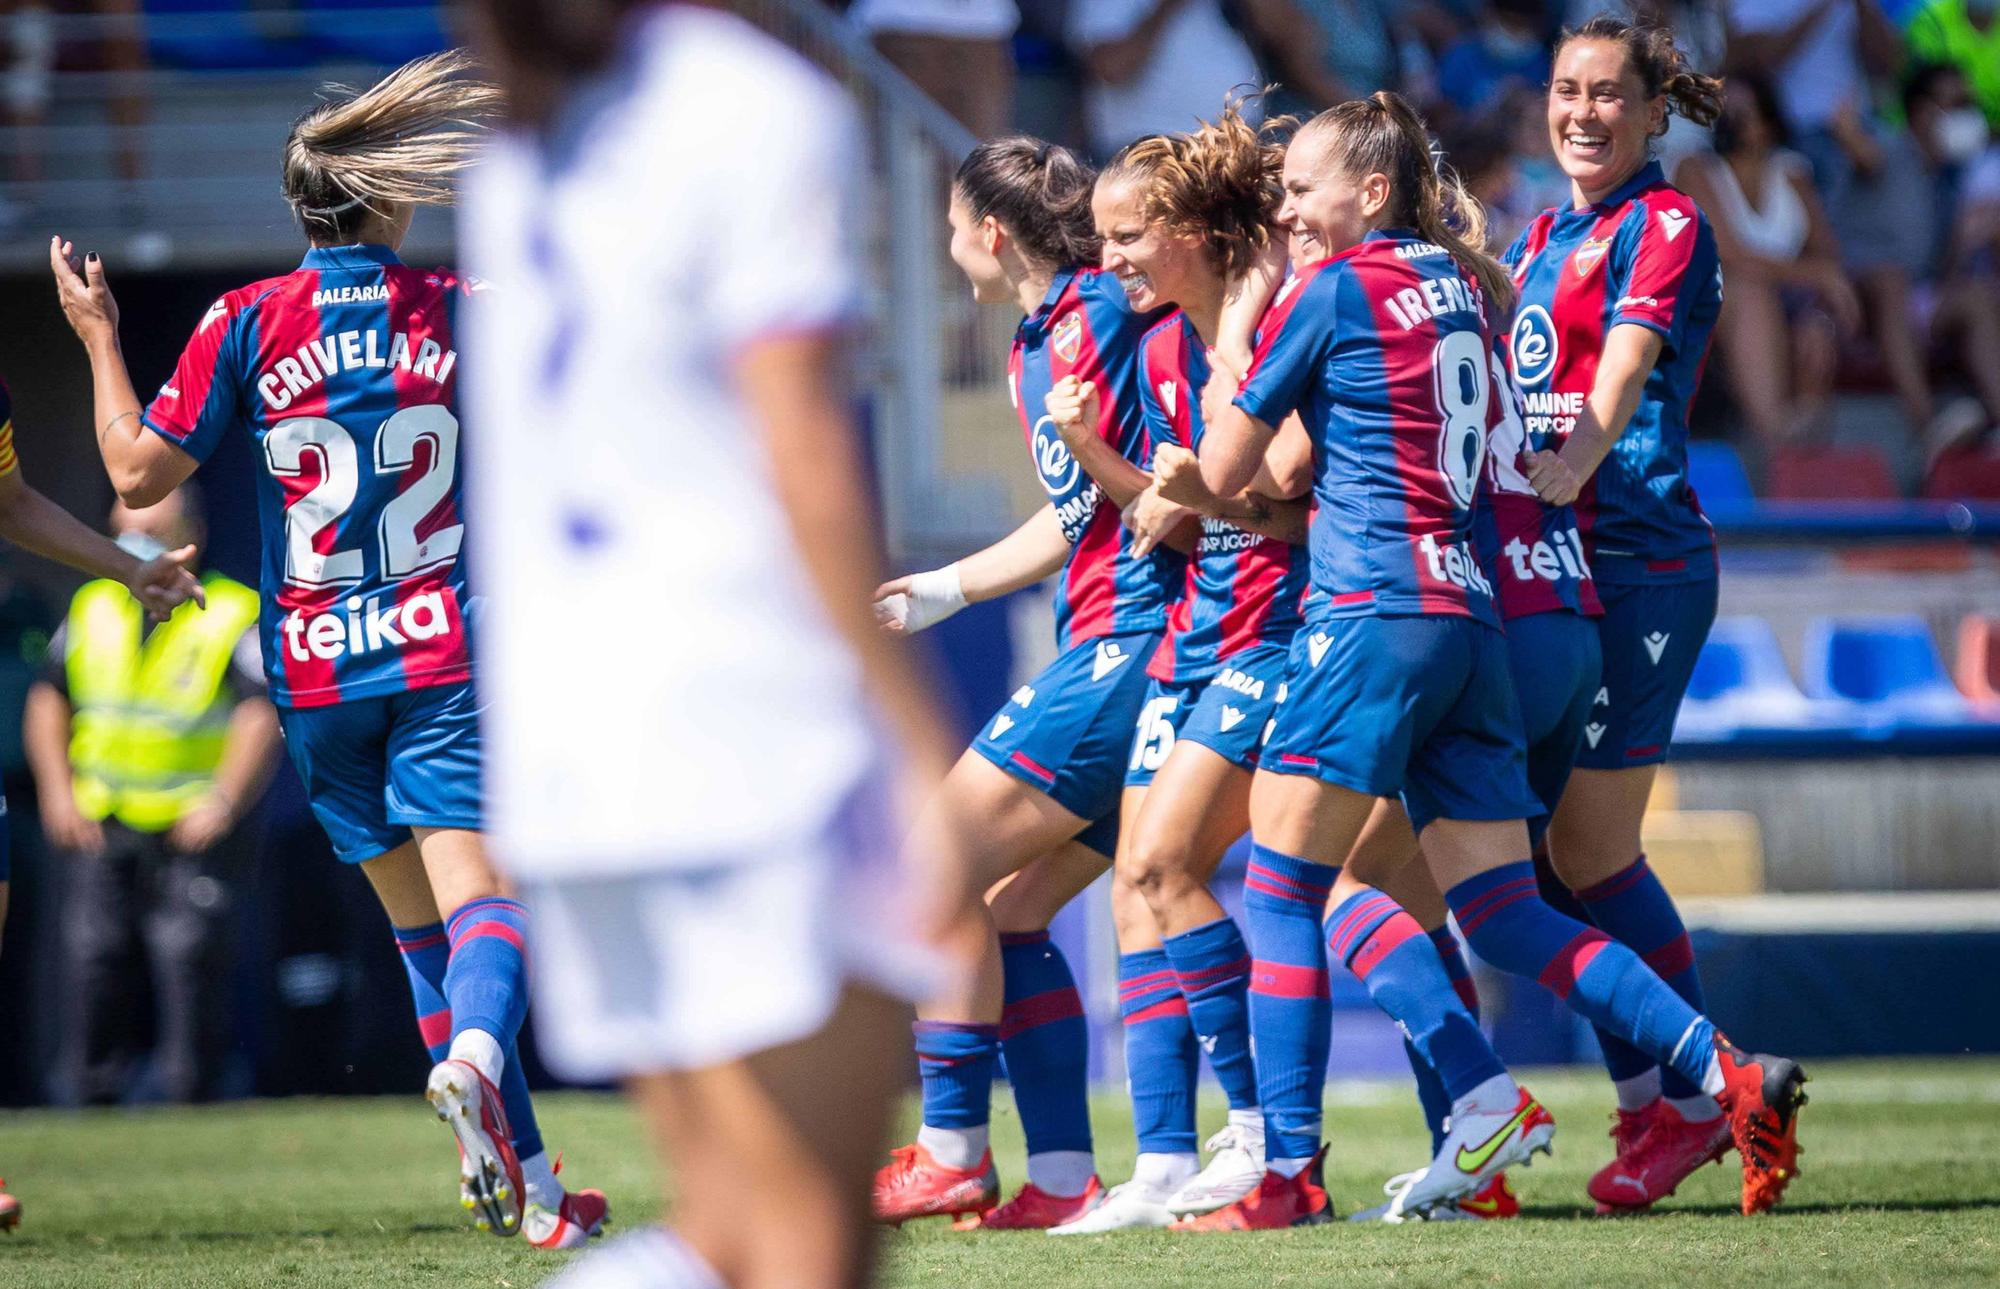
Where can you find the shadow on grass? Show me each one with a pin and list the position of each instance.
(1563, 1213)
(136, 1238)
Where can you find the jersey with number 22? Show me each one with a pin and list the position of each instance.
(344, 374)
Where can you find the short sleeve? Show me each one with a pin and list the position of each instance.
(1292, 346)
(794, 184)
(1662, 275)
(200, 400)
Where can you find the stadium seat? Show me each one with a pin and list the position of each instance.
(1800, 473)
(1716, 472)
(1979, 660)
(1967, 473)
(1741, 688)
(219, 35)
(348, 29)
(1888, 666)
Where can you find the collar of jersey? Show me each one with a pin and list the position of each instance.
(363, 255)
(1648, 175)
(1037, 322)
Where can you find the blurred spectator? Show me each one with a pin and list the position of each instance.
(149, 744)
(1155, 66)
(958, 52)
(1358, 51)
(1699, 26)
(25, 89)
(1959, 304)
(1291, 49)
(1964, 34)
(1788, 300)
(1822, 56)
(1507, 51)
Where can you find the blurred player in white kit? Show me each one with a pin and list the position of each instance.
(697, 734)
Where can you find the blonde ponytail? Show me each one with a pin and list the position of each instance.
(401, 141)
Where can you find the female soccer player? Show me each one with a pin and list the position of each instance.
(690, 695)
(1180, 217)
(1398, 683)
(31, 521)
(344, 372)
(1619, 295)
(1040, 784)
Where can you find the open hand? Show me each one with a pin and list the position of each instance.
(83, 293)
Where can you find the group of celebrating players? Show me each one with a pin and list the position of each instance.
(1385, 551)
(1345, 558)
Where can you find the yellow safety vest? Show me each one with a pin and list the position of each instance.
(148, 728)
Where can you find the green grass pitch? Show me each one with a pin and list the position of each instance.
(1901, 1187)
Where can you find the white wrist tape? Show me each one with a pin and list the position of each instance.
(932, 597)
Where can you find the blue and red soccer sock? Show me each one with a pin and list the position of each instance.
(1507, 922)
(1400, 967)
(426, 953)
(1291, 1013)
(1162, 1058)
(1212, 965)
(1632, 906)
(956, 1060)
(1045, 1049)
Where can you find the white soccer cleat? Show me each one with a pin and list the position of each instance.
(1233, 1172)
(1387, 1211)
(1478, 1145)
(1132, 1206)
(489, 1181)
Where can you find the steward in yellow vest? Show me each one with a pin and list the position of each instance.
(150, 711)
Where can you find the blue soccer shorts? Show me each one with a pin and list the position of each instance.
(1417, 707)
(1226, 713)
(1068, 732)
(1651, 636)
(1555, 661)
(375, 767)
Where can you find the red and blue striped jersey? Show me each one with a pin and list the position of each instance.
(1533, 551)
(1086, 328)
(343, 372)
(1243, 589)
(1643, 255)
(1385, 352)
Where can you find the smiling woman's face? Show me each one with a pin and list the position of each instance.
(1600, 119)
(1323, 207)
(1154, 266)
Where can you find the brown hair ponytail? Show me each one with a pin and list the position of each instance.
(1382, 134)
(1039, 191)
(1220, 184)
(1662, 67)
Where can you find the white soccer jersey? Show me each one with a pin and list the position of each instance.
(662, 687)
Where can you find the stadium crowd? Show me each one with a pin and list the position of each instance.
(1854, 177)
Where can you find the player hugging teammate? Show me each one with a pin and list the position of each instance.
(1488, 627)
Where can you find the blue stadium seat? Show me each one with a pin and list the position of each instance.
(1889, 666)
(1742, 690)
(219, 35)
(1716, 472)
(390, 32)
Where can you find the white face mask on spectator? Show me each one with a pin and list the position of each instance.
(1962, 134)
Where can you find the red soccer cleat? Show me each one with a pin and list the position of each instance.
(1761, 1096)
(1662, 1158)
(489, 1173)
(10, 1209)
(1494, 1201)
(1627, 1127)
(1277, 1203)
(1034, 1209)
(914, 1184)
(581, 1215)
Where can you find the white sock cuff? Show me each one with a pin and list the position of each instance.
(482, 1051)
(654, 1258)
(1165, 1169)
(955, 1147)
(1062, 1173)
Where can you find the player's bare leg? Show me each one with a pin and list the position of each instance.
(771, 1154)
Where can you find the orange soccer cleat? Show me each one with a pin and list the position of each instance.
(1034, 1209)
(1278, 1202)
(1665, 1154)
(915, 1184)
(1761, 1096)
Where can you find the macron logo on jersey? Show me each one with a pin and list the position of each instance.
(215, 311)
(1110, 658)
(1673, 222)
(365, 628)
(1169, 397)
